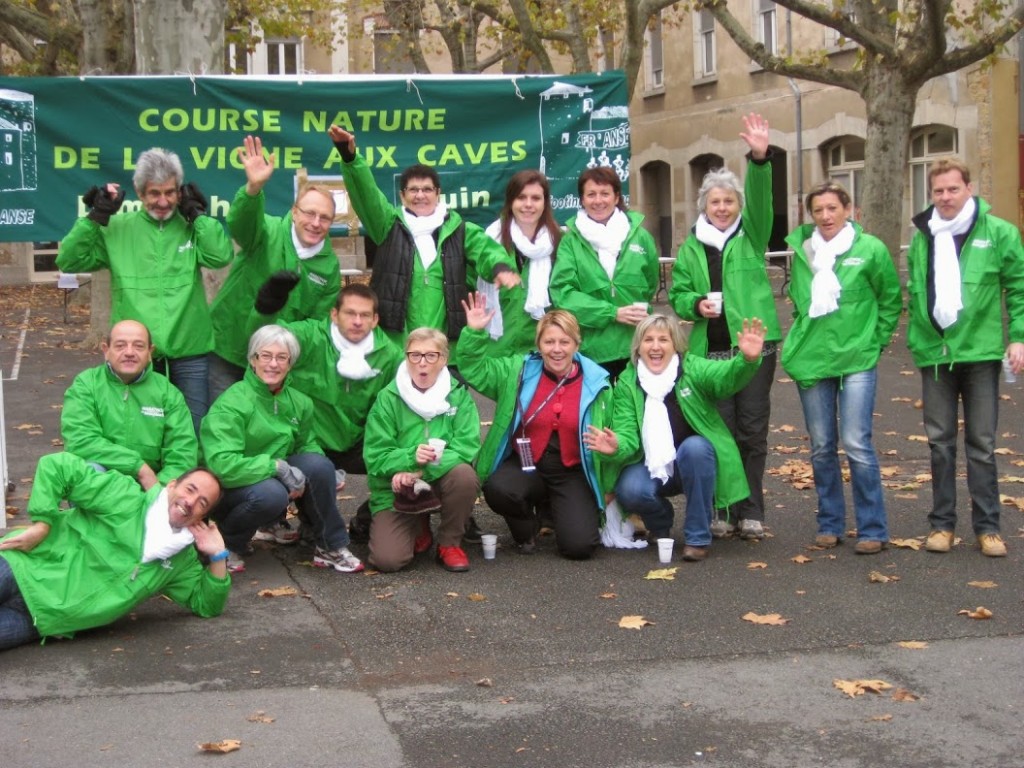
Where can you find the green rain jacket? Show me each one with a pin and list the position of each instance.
(267, 247)
(88, 572)
(746, 290)
(991, 268)
(580, 285)
(393, 431)
(154, 273)
(702, 383)
(852, 338)
(123, 426)
(249, 428)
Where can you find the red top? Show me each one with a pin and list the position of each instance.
(561, 414)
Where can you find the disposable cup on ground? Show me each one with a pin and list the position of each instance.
(438, 445)
(489, 541)
(665, 550)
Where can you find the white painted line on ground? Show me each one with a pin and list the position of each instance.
(21, 347)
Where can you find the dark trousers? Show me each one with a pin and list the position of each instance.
(515, 494)
(351, 460)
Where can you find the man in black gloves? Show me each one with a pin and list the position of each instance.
(154, 253)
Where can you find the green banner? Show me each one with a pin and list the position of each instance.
(60, 136)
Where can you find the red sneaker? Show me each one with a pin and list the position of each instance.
(425, 539)
(452, 558)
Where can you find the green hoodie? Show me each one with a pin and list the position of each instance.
(88, 572)
(267, 247)
(746, 290)
(123, 426)
(249, 428)
(580, 285)
(154, 273)
(852, 338)
(393, 431)
(699, 388)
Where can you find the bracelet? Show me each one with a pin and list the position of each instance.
(222, 555)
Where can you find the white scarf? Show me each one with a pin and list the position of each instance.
(161, 541)
(422, 229)
(305, 251)
(427, 404)
(539, 253)
(711, 235)
(352, 356)
(617, 531)
(948, 301)
(656, 432)
(606, 239)
(825, 288)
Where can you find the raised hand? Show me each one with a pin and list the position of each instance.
(477, 314)
(208, 539)
(344, 142)
(258, 168)
(755, 133)
(750, 339)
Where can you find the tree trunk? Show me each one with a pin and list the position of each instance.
(890, 102)
(179, 36)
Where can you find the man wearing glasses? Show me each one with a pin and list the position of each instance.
(298, 242)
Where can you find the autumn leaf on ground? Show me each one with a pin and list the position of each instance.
(906, 495)
(902, 694)
(451, 594)
(877, 577)
(1010, 501)
(854, 688)
(801, 559)
(881, 718)
(1011, 479)
(476, 597)
(982, 584)
(917, 438)
(981, 612)
(485, 682)
(608, 595)
(259, 716)
(901, 400)
(785, 449)
(23, 427)
(771, 619)
(1005, 452)
(755, 565)
(914, 544)
(890, 471)
(914, 645)
(278, 592)
(785, 428)
(665, 574)
(221, 747)
(634, 622)
(907, 373)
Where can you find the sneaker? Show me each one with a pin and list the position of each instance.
(720, 528)
(992, 545)
(338, 559)
(425, 539)
(235, 563)
(694, 554)
(826, 540)
(452, 559)
(939, 541)
(868, 547)
(473, 532)
(281, 532)
(751, 530)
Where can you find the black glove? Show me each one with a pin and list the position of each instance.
(273, 294)
(346, 154)
(102, 205)
(191, 202)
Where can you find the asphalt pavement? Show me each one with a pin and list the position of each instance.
(522, 661)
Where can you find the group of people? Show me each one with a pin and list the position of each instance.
(596, 398)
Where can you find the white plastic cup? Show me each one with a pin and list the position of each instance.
(715, 298)
(438, 445)
(641, 304)
(1008, 375)
(489, 541)
(665, 550)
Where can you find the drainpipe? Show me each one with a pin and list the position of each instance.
(799, 107)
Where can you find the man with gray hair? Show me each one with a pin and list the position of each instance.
(154, 253)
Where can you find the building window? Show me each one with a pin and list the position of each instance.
(845, 164)
(284, 57)
(704, 45)
(390, 54)
(927, 145)
(236, 59)
(654, 59)
(767, 32)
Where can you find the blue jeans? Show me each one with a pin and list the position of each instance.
(855, 395)
(977, 385)
(638, 493)
(242, 510)
(191, 376)
(16, 624)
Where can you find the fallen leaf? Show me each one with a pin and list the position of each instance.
(221, 747)
(755, 565)
(919, 404)
(507, 699)
(881, 718)
(877, 577)
(772, 619)
(801, 559)
(917, 438)
(907, 373)
(1005, 452)
(1011, 501)
(914, 544)
(785, 449)
(901, 400)
(859, 687)
(278, 592)
(485, 682)
(451, 594)
(1011, 479)
(902, 694)
(259, 716)
(476, 597)
(914, 645)
(634, 622)
(890, 471)
(982, 584)
(981, 612)
(384, 595)
(906, 495)
(608, 595)
(785, 428)
(23, 427)
(665, 574)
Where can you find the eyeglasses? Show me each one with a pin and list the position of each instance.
(418, 357)
(352, 315)
(420, 190)
(321, 218)
(268, 357)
